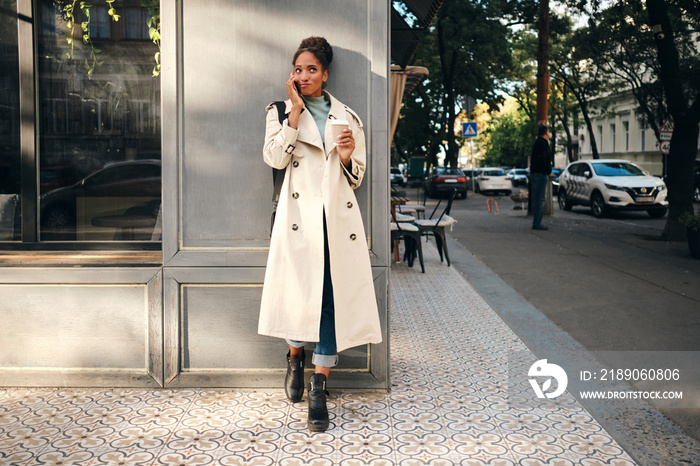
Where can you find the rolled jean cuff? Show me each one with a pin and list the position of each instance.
(295, 344)
(325, 360)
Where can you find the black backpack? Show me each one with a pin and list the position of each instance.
(277, 175)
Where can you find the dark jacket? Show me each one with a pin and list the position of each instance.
(540, 161)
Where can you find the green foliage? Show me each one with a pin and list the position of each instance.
(691, 221)
(153, 7)
(509, 136)
(468, 53)
(68, 8)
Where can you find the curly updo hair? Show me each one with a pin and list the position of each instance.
(319, 47)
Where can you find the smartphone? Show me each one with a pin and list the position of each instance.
(296, 85)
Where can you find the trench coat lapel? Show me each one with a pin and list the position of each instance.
(337, 112)
(308, 130)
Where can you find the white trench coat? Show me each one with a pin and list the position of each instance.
(315, 181)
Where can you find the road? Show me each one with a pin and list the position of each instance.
(610, 283)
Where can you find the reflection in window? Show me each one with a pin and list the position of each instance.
(10, 161)
(136, 23)
(99, 165)
(99, 22)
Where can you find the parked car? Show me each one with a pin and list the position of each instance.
(608, 184)
(555, 182)
(441, 180)
(493, 180)
(519, 176)
(470, 173)
(126, 183)
(396, 176)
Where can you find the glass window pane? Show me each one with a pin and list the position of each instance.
(10, 159)
(99, 124)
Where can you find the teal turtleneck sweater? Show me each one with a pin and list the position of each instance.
(319, 108)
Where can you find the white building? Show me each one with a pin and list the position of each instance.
(620, 133)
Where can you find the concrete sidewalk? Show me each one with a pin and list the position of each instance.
(452, 402)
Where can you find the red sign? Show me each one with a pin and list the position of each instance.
(665, 147)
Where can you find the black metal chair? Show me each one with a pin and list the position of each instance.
(435, 226)
(411, 235)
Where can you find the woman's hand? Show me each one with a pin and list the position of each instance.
(345, 145)
(297, 103)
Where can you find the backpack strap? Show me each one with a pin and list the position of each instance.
(277, 175)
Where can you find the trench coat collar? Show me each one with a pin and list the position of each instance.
(308, 130)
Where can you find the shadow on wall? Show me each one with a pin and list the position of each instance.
(226, 186)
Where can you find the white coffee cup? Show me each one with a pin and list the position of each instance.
(337, 127)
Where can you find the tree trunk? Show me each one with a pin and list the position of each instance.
(401, 154)
(589, 127)
(543, 63)
(452, 149)
(580, 96)
(684, 148)
(448, 71)
(684, 142)
(564, 117)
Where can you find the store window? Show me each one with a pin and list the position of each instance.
(98, 161)
(137, 23)
(99, 22)
(10, 158)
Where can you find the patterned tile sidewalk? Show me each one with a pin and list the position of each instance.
(452, 403)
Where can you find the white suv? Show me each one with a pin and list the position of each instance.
(607, 185)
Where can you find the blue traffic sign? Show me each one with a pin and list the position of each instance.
(469, 129)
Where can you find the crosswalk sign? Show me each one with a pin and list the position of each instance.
(469, 129)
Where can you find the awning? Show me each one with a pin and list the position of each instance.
(404, 38)
(403, 82)
(425, 10)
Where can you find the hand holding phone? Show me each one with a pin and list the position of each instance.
(294, 92)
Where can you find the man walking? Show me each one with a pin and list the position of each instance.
(540, 168)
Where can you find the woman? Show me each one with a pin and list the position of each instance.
(318, 283)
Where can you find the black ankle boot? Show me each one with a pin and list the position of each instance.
(318, 412)
(294, 381)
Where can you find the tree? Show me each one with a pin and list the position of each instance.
(508, 136)
(578, 65)
(468, 53)
(664, 78)
(682, 91)
(524, 84)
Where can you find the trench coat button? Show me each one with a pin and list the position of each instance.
(353, 237)
(295, 164)
(349, 204)
(295, 227)
(295, 195)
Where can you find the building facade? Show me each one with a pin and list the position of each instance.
(135, 209)
(622, 133)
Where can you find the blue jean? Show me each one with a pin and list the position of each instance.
(538, 183)
(325, 350)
